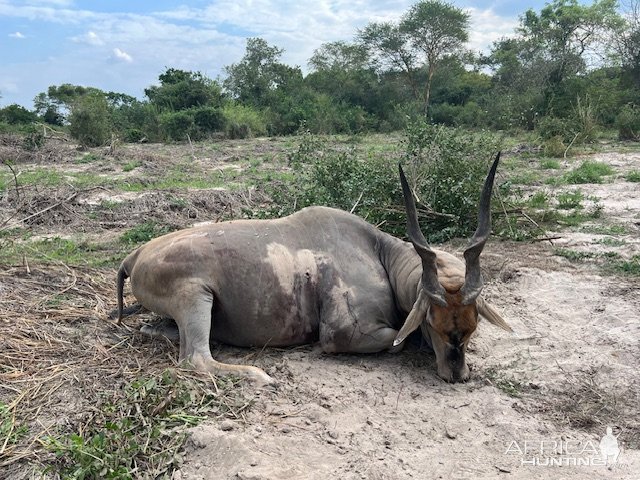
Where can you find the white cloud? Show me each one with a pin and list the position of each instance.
(89, 38)
(488, 27)
(122, 55)
(17, 35)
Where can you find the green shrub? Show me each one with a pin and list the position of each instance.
(470, 114)
(17, 115)
(447, 165)
(90, 120)
(243, 122)
(332, 176)
(554, 147)
(209, 119)
(550, 127)
(628, 123)
(451, 166)
(33, 137)
(178, 125)
(133, 135)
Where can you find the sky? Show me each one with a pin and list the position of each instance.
(122, 46)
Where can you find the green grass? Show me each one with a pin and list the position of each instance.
(10, 431)
(72, 252)
(574, 255)
(550, 164)
(143, 233)
(539, 200)
(610, 262)
(506, 384)
(633, 176)
(570, 200)
(604, 229)
(527, 177)
(131, 165)
(627, 267)
(610, 242)
(588, 172)
(87, 158)
(140, 430)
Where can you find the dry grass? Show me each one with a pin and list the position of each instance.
(582, 403)
(62, 360)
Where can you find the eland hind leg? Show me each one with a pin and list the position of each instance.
(192, 314)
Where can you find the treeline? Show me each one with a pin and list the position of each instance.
(570, 71)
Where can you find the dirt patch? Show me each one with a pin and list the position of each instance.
(568, 371)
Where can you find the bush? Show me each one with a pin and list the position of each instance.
(550, 127)
(554, 147)
(628, 123)
(470, 114)
(90, 120)
(177, 125)
(243, 122)
(33, 138)
(448, 166)
(209, 119)
(332, 176)
(133, 135)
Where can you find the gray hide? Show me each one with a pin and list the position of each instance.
(320, 274)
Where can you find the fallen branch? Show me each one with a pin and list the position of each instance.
(544, 239)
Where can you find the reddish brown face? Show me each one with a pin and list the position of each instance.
(450, 329)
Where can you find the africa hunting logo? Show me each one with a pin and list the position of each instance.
(551, 453)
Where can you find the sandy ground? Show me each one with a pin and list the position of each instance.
(537, 405)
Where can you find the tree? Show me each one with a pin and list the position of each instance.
(252, 80)
(627, 42)
(181, 90)
(534, 73)
(90, 120)
(429, 31)
(54, 105)
(566, 34)
(15, 114)
(391, 50)
(343, 73)
(336, 56)
(435, 29)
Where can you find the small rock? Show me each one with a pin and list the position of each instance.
(285, 429)
(227, 425)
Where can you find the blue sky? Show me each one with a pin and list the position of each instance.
(123, 46)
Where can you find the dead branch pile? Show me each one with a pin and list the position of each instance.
(68, 209)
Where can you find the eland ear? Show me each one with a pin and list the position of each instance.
(491, 314)
(417, 314)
